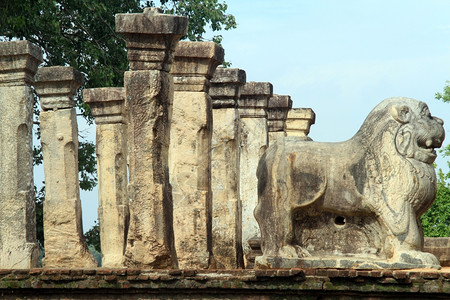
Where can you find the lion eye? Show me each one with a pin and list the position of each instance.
(426, 112)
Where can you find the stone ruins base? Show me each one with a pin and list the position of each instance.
(230, 284)
(262, 262)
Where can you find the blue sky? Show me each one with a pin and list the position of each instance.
(339, 58)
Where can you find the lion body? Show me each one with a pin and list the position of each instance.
(364, 176)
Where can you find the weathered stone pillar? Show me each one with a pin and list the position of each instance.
(63, 229)
(253, 142)
(277, 111)
(190, 151)
(19, 61)
(226, 204)
(107, 106)
(151, 38)
(298, 122)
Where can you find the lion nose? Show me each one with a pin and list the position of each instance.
(440, 121)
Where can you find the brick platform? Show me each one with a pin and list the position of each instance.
(231, 284)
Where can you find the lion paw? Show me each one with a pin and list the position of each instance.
(419, 258)
(289, 251)
(302, 252)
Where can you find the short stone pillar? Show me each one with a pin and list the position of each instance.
(107, 106)
(277, 111)
(63, 229)
(226, 205)
(253, 142)
(19, 61)
(190, 151)
(440, 247)
(299, 121)
(151, 38)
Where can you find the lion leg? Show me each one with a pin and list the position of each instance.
(276, 230)
(406, 247)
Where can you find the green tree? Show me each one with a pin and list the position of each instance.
(92, 237)
(445, 97)
(81, 34)
(200, 13)
(436, 221)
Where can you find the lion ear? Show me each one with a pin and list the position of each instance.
(401, 113)
(403, 141)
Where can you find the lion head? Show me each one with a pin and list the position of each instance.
(417, 133)
(420, 132)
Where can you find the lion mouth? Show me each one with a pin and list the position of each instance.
(426, 150)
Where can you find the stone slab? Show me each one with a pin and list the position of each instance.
(19, 61)
(56, 86)
(225, 87)
(337, 262)
(254, 99)
(194, 65)
(107, 104)
(151, 38)
(299, 121)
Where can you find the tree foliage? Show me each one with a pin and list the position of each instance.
(436, 221)
(92, 237)
(445, 95)
(200, 14)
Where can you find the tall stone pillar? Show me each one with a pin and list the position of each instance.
(107, 106)
(299, 121)
(151, 38)
(63, 231)
(226, 205)
(19, 61)
(253, 142)
(190, 151)
(277, 111)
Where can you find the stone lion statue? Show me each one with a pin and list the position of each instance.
(355, 203)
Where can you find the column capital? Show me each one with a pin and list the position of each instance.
(194, 65)
(19, 61)
(277, 110)
(151, 38)
(56, 86)
(254, 99)
(226, 86)
(299, 121)
(107, 104)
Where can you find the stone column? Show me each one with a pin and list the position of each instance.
(253, 142)
(277, 111)
(19, 61)
(226, 205)
(151, 38)
(190, 151)
(107, 106)
(298, 122)
(63, 229)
